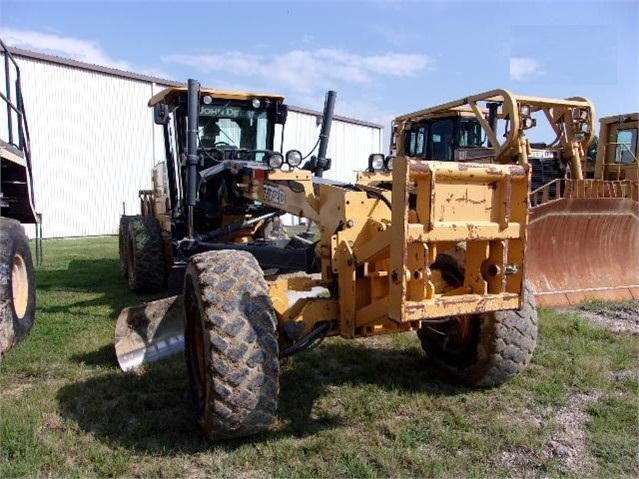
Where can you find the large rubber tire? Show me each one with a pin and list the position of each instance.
(17, 285)
(145, 258)
(123, 240)
(496, 346)
(232, 353)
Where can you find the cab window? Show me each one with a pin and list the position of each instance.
(470, 134)
(417, 141)
(626, 146)
(442, 139)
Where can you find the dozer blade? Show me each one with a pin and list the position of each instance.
(583, 248)
(149, 332)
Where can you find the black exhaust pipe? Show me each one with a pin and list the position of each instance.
(492, 118)
(322, 163)
(193, 114)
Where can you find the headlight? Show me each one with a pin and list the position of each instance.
(256, 103)
(524, 110)
(293, 157)
(275, 160)
(207, 99)
(388, 163)
(375, 162)
(528, 123)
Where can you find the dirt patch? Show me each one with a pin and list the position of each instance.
(15, 390)
(568, 443)
(621, 318)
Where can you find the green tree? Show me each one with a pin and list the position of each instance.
(591, 154)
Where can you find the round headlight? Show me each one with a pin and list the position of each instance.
(256, 103)
(389, 163)
(207, 99)
(376, 162)
(275, 160)
(293, 157)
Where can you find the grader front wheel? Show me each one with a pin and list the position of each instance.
(230, 344)
(486, 349)
(483, 349)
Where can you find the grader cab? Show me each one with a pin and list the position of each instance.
(433, 247)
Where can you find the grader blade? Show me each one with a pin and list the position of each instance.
(580, 249)
(149, 332)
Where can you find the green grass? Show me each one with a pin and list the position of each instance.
(347, 409)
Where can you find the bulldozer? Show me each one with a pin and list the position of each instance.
(582, 230)
(434, 247)
(17, 275)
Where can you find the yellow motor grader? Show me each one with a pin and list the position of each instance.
(435, 247)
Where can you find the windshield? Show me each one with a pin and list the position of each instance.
(242, 127)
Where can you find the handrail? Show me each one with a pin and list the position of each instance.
(551, 191)
(24, 139)
(617, 157)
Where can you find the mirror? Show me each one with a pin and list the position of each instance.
(281, 112)
(161, 114)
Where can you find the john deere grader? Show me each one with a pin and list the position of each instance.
(434, 247)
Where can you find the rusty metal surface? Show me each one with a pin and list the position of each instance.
(580, 249)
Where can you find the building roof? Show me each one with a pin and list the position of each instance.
(19, 52)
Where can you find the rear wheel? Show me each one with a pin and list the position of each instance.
(144, 252)
(231, 345)
(483, 349)
(17, 285)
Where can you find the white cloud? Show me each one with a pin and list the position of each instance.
(304, 71)
(522, 68)
(69, 47)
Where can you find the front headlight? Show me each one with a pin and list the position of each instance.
(293, 158)
(256, 103)
(389, 163)
(376, 162)
(275, 160)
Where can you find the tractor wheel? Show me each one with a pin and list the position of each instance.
(17, 285)
(483, 349)
(231, 347)
(123, 240)
(145, 258)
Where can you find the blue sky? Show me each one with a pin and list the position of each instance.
(383, 57)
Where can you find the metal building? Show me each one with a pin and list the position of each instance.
(94, 142)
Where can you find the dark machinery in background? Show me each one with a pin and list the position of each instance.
(17, 276)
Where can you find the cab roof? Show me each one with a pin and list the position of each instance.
(619, 118)
(169, 95)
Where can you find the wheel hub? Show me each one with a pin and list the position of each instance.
(19, 286)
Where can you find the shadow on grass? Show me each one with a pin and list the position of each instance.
(151, 411)
(104, 357)
(101, 277)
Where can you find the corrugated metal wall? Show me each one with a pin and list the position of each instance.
(94, 143)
